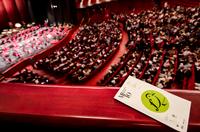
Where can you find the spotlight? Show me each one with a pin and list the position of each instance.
(18, 25)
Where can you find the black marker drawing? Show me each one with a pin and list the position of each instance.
(155, 101)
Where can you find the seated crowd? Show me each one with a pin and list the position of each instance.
(153, 66)
(197, 65)
(168, 70)
(197, 71)
(186, 60)
(163, 48)
(28, 42)
(86, 53)
(127, 64)
(124, 69)
(27, 76)
(174, 30)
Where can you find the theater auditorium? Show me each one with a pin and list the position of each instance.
(63, 61)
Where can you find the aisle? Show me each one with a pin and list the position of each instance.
(115, 59)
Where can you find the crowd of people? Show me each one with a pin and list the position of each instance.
(186, 60)
(124, 70)
(153, 65)
(27, 76)
(168, 71)
(174, 30)
(121, 70)
(28, 42)
(139, 68)
(163, 46)
(86, 53)
(197, 66)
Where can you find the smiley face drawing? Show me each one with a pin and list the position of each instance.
(155, 101)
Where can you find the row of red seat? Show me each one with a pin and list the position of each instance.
(167, 73)
(115, 76)
(28, 76)
(91, 48)
(115, 68)
(142, 31)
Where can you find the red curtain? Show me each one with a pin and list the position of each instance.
(11, 10)
(23, 12)
(93, 2)
(85, 3)
(3, 16)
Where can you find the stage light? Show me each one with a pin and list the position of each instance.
(54, 6)
(18, 25)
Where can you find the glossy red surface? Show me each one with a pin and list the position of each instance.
(80, 107)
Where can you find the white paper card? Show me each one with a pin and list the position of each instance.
(162, 106)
